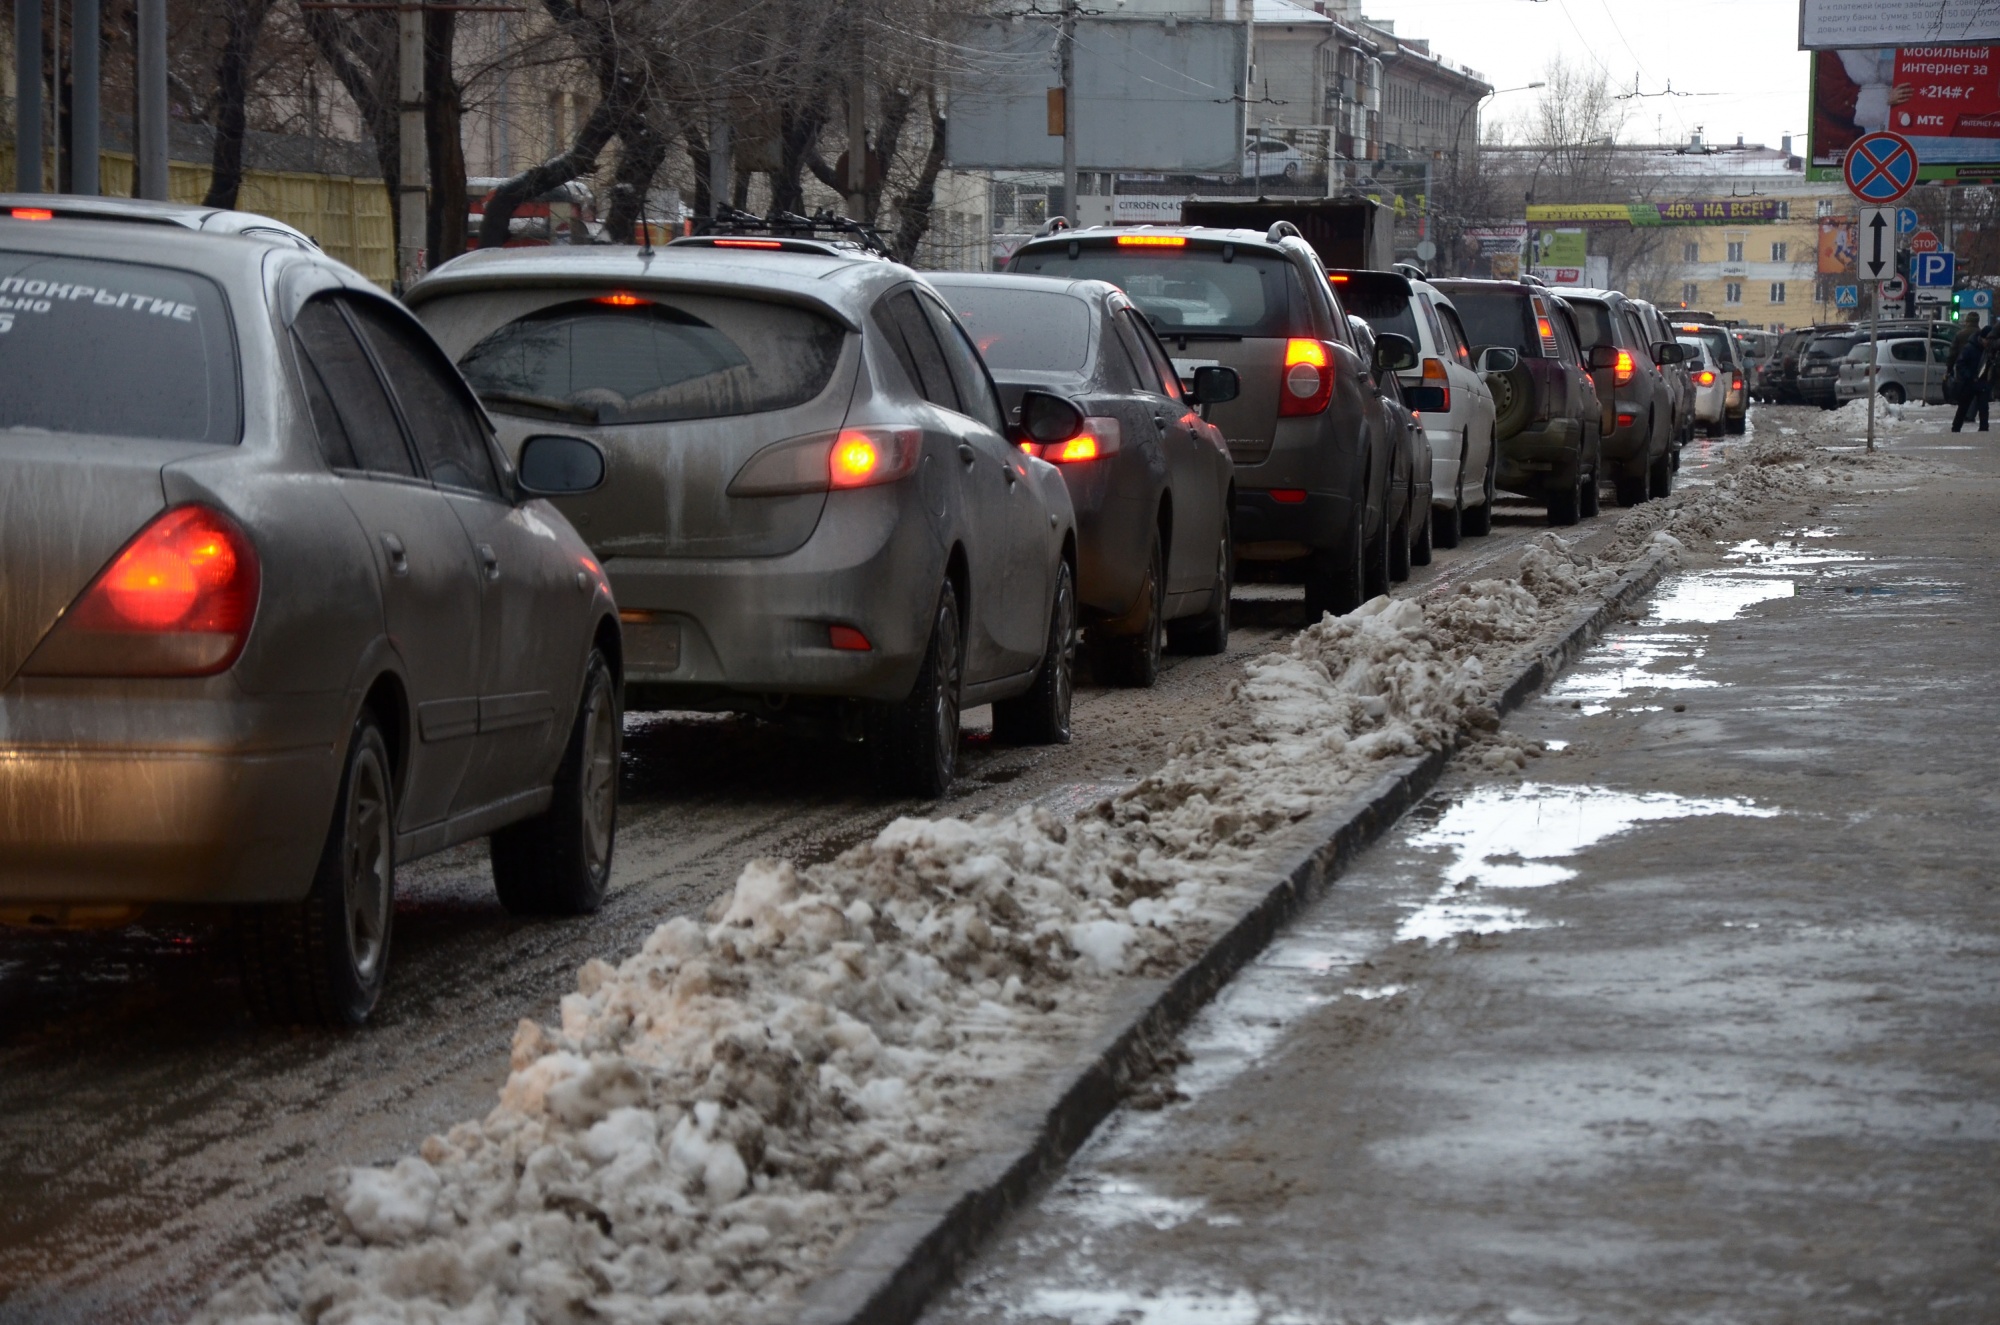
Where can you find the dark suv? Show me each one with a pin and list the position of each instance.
(1638, 420)
(1547, 425)
(1314, 461)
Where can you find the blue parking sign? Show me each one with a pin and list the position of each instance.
(1847, 296)
(1932, 271)
(1980, 299)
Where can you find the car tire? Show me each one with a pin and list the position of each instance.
(559, 862)
(1448, 522)
(1399, 551)
(1737, 426)
(1420, 540)
(1660, 477)
(1893, 393)
(1513, 400)
(1591, 499)
(1334, 582)
(1041, 716)
(1208, 634)
(1134, 659)
(1632, 489)
(915, 741)
(1375, 562)
(1565, 507)
(325, 960)
(1478, 520)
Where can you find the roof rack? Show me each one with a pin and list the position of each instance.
(1410, 271)
(1054, 225)
(821, 226)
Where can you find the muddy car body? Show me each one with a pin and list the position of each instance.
(1637, 420)
(1150, 481)
(277, 612)
(808, 471)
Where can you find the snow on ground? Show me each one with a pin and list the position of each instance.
(710, 1115)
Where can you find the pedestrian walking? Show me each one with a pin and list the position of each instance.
(1972, 385)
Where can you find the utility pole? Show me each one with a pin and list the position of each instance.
(152, 107)
(27, 96)
(413, 165)
(857, 122)
(85, 118)
(1066, 55)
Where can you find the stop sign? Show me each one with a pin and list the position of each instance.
(1924, 241)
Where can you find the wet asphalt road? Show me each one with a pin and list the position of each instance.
(1695, 1021)
(154, 1144)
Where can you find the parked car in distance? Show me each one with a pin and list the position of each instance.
(1636, 421)
(1723, 348)
(1272, 158)
(1711, 385)
(1676, 375)
(1445, 388)
(1410, 482)
(1546, 405)
(1313, 463)
(1150, 480)
(278, 613)
(815, 509)
(1906, 368)
(1754, 348)
(1819, 365)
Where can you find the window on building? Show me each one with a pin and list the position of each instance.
(1784, 210)
(1690, 294)
(1735, 250)
(1732, 293)
(1823, 207)
(1777, 292)
(1691, 252)
(1778, 251)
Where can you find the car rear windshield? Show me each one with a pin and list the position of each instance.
(1386, 306)
(1495, 317)
(1831, 347)
(1040, 331)
(625, 358)
(1593, 321)
(115, 349)
(1191, 291)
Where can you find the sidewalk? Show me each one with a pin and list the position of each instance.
(1694, 1020)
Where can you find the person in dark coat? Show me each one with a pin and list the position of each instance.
(1971, 368)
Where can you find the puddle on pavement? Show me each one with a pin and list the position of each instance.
(1711, 597)
(1166, 1306)
(1506, 838)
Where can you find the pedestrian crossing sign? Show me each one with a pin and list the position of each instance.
(1847, 296)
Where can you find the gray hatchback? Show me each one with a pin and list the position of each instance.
(816, 509)
(275, 612)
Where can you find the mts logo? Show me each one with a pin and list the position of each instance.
(1931, 121)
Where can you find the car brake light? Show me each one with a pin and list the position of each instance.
(32, 214)
(748, 243)
(1735, 382)
(1152, 241)
(177, 600)
(621, 300)
(1338, 279)
(1308, 378)
(1545, 327)
(1289, 496)
(1621, 372)
(1705, 377)
(848, 638)
(850, 458)
(1436, 379)
(1100, 436)
(1627, 420)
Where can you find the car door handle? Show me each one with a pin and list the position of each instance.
(967, 454)
(1160, 422)
(399, 560)
(489, 560)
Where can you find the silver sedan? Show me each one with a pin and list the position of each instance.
(276, 614)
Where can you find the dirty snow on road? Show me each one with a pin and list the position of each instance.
(710, 1115)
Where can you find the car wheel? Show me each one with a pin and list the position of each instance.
(326, 959)
(559, 862)
(915, 743)
(1420, 538)
(1479, 520)
(1632, 488)
(1041, 716)
(1736, 426)
(1660, 477)
(1448, 522)
(1208, 634)
(1134, 659)
(1590, 499)
(1333, 577)
(1398, 551)
(1565, 507)
(1513, 400)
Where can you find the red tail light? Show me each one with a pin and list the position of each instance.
(1705, 377)
(1735, 382)
(33, 214)
(1152, 241)
(1308, 378)
(1100, 436)
(177, 601)
(850, 458)
(620, 299)
(1437, 379)
(1289, 496)
(1621, 373)
(1545, 327)
(749, 243)
(848, 639)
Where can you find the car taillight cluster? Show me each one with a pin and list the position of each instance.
(1621, 373)
(1100, 436)
(1437, 387)
(178, 600)
(1705, 377)
(849, 458)
(1308, 378)
(1545, 327)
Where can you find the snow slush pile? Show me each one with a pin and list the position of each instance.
(711, 1115)
(1849, 423)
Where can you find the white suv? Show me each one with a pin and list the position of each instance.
(1446, 389)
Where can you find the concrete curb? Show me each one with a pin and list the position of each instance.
(891, 1270)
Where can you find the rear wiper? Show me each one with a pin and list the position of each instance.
(567, 409)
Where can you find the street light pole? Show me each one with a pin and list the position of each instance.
(27, 96)
(1066, 54)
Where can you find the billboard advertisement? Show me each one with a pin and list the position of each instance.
(1944, 99)
(1832, 24)
(1838, 247)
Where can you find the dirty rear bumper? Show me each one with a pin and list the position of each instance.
(1542, 457)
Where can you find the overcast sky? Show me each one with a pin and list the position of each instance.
(1744, 51)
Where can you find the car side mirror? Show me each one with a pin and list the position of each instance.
(1394, 353)
(1499, 359)
(555, 466)
(1215, 385)
(1048, 418)
(1667, 352)
(1603, 357)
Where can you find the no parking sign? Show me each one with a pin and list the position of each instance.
(1880, 168)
